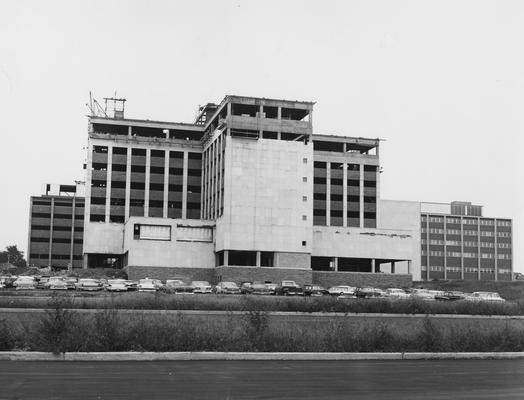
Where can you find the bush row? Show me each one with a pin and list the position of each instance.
(162, 301)
(63, 330)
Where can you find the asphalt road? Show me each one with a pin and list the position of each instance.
(449, 379)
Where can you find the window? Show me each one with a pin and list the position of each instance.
(304, 198)
(304, 217)
(304, 179)
(152, 232)
(304, 160)
(304, 243)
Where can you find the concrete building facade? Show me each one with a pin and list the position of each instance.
(248, 191)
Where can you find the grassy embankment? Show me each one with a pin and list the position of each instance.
(60, 329)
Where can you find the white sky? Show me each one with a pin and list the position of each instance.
(441, 81)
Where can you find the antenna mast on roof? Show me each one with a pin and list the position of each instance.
(116, 106)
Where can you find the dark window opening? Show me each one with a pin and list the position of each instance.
(295, 114)
(244, 133)
(185, 134)
(291, 136)
(321, 263)
(97, 218)
(319, 196)
(267, 258)
(138, 185)
(370, 199)
(370, 168)
(194, 189)
(353, 182)
(336, 181)
(144, 131)
(158, 153)
(157, 170)
(270, 135)
(108, 129)
(270, 112)
(118, 184)
(353, 199)
(120, 150)
(194, 156)
(100, 149)
(320, 164)
(118, 219)
(353, 167)
(119, 167)
(138, 152)
(175, 188)
(136, 203)
(138, 168)
(328, 146)
(176, 171)
(156, 186)
(354, 264)
(118, 202)
(99, 166)
(336, 197)
(244, 110)
(370, 184)
(176, 154)
(156, 203)
(96, 200)
(101, 184)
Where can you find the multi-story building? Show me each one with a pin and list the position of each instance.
(247, 191)
(457, 242)
(56, 225)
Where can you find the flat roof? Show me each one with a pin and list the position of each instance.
(143, 122)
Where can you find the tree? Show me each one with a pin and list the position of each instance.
(13, 256)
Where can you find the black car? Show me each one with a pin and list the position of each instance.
(315, 290)
(289, 288)
(368, 293)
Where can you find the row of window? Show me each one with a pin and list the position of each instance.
(466, 221)
(439, 268)
(466, 254)
(45, 256)
(56, 240)
(466, 232)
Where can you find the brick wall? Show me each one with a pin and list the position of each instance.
(361, 279)
(275, 275)
(163, 273)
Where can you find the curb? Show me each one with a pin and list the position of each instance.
(231, 356)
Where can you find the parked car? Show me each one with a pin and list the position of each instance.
(422, 294)
(201, 287)
(261, 288)
(369, 292)
(57, 283)
(272, 287)
(8, 281)
(395, 293)
(71, 283)
(315, 290)
(131, 285)
(245, 287)
(226, 288)
(450, 296)
(42, 282)
(289, 288)
(25, 282)
(177, 286)
(485, 296)
(116, 285)
(342, 290)
(149, 285)
(88, 284)
(2, 282)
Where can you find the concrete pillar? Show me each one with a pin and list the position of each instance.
(184, 188)
(392, 267)
(258, 262)
(166, 131)
(377, 203)
(226, 258)
(71, 252)
(495, 243)
(108, 181)
(345, 192)
(478, 248)
(129, 131)
(166, 184)
(279, 113)
(373, 265)
(445, 251)
(409, 266)
(361, 199)
(128, 182)
(328, 194)
(228, 107)
(462, 248)
(261, 111)
(148, 178)
(51, 232)
(335, 264)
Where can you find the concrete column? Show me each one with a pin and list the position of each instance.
(108, 181)
(462, 248)
(129, 131)
(226, 258)
(373, 266)
(345, 192)
(128, 182)
(328, 193)
(445, 251)
(228, 107)
(409, 266)
(392, 267)
(184, 187)
(335, 264)
(261, 111)
(361, 200)
(166, 184)
(427, 247)
(51, 232)
(166, 131)
(219, 169)
(279, 113)
(495, 243)
(478, 248)
(258, 262)
(71, 252)
(148, 178)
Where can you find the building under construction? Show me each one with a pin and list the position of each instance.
(248, 191)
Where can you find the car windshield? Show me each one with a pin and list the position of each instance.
(288, 283)
(229, 284)
(200, 283)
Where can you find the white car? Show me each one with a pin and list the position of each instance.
(201, 287)
(485, 296)
(422, 294)
(116, 285)
(342, 290)
(57, 283)
(395, 293)
(25, 282)
(88, 284)
(149, 285)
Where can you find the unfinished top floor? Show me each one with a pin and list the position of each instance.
(464, 208)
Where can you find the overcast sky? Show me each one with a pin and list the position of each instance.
(441, 81)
